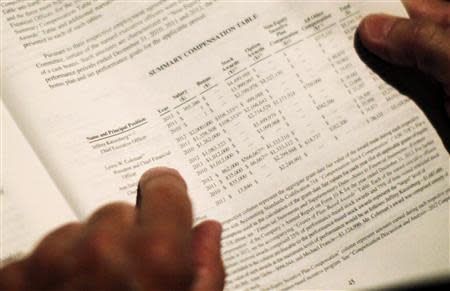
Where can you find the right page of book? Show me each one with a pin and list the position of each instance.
(323, 175)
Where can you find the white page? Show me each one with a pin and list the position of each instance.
(31, 205)
(251, 102)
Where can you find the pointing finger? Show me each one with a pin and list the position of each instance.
(165, 218)
(164, 205)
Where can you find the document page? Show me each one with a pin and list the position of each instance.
(282, 133)
(30, 203)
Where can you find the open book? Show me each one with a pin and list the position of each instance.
(323, 175)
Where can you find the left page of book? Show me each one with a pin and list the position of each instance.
(30, 204)
(78, 79)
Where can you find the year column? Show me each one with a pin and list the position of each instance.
(191, 125)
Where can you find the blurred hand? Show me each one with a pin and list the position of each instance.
(120, 247)
(421, 42)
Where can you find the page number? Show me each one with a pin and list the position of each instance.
(351, 281)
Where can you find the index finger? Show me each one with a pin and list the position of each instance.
(164, 208)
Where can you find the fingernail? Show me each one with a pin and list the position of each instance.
(378, 26)
(153, 173)
(157, 171)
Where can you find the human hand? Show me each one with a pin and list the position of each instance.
(120, 247)
(421, 42)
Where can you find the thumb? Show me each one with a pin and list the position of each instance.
(414, 43)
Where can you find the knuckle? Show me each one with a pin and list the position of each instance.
(46, 256)
(67, 229)
(158, 250)
(167, 256)
(96, 247)
(117, 211)
(53, 248)
(13, 276)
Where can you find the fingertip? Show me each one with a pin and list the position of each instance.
(150, 175)
(208, 235)
(164, 205)
(214, 228)
(156, 172)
